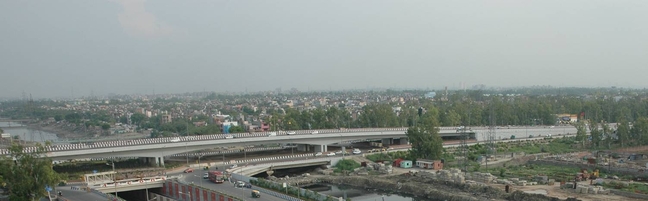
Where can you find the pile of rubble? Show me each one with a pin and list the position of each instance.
(481, 177)
(380, 167)
(453, 175)
(585, 189)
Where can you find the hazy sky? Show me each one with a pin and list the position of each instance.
(48, 48)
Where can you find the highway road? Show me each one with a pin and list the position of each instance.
(227, 187)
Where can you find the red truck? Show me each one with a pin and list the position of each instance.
(216, 177)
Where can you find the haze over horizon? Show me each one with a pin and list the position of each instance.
(51, 48)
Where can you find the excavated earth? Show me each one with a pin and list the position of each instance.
(433, 189)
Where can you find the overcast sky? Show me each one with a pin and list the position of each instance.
(51, 48)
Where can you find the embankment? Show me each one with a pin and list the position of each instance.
(434, 189)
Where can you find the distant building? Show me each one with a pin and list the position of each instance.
(430, 95)
(567, 118)
(165, 119)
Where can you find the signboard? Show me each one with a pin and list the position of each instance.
(6, 135)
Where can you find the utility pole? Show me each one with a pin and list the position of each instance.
(491, 134)
(464, 143)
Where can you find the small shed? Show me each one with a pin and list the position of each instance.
(406, 164)
(397, 162)
(429, 164)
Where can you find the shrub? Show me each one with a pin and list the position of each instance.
(347, 164)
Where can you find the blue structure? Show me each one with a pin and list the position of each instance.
(226, 128)
(430, 95)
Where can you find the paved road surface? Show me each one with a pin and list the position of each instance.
(79, 195)
(226, 187)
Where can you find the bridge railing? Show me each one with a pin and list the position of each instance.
(148, 141)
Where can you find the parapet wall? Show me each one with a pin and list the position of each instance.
(179, 191)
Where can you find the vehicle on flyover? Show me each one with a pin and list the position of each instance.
(216, 177)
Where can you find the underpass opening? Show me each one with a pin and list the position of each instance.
(137, 194)
(290, 172)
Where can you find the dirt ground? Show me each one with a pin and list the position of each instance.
(552, 191)
(633, 149)
(555, 191)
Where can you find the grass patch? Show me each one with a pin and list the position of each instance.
(632, 188)
(529, 171)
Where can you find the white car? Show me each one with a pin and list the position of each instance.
(291, 133)
(233, 166)
(314, 132)
(175, 140)
(330, 154)
(229, 137)
(318, 154)
(206, 176)
(357, 151)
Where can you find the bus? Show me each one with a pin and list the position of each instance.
(216, 177)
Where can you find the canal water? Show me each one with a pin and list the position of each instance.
(27, 134)
(358, 194)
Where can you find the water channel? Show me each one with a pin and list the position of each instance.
(27, 134)
(358, 194)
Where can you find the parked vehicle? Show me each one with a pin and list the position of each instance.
(229, 137)
(233, 166)
(291, 133)
(330, 154)
(272, 134)
(315, 132)
(357, 151)
(318, 154)
(175, 140)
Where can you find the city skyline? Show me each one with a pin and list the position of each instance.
(75, 49)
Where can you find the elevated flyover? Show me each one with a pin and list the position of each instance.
(159, 147)
(251, 170)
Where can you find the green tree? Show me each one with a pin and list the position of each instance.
(581, 133)
(451, 118)
(596, 134)
(623, 132)
(137, 118)
(607, 134)
(27, 176)
(236, 129)
(426, 142)
(58, 117)
(105, 126)
(640, 130)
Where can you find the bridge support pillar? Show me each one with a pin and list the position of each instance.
(321, 148)
(386, 141)
(159, 161)
(303, 147)
(404, 141)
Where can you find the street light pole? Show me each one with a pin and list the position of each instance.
(187, 154)
(342, 146)
(114, 176)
